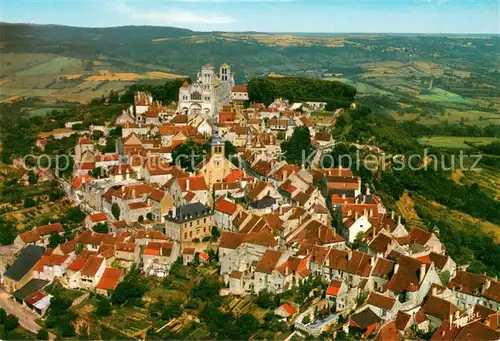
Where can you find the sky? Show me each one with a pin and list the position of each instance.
(328, 16)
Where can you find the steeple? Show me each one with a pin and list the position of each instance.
(216, 142)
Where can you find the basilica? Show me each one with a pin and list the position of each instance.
(210, 91)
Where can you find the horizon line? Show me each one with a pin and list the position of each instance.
(252, 31)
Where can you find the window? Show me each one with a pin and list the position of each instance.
(195, 96)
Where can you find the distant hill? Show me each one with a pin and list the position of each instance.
(74, 64)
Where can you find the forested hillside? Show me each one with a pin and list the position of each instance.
(294, 89)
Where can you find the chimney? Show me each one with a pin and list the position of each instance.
(365, 212)
(372, 261)
(422, 272)
(396, 267)
(367, 190)
(371, 212)
(434, 291)
(392, 215)
(133, 192)
(457, 314)
(399, 219)
(187, 184)
(349, 255)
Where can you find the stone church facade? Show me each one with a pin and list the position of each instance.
(210, 91)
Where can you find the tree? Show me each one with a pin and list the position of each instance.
(229, 149)
(3, 315)
(171, 310)
(299, 148)
(104, 307)
(215, 233)
(189, 154)
(32, 178)
(149, 216)
(29, 202)
(8, 232)
(131, 289)
(42, 334)
(115, 211)
(140, 219)
(55, 239)
(10, 323)
(101, 228)
(75, 215)
(265, 300)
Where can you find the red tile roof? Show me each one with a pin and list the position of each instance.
(77, 264)
(225, 206)
(109, 279)
(268, 261)
(98, 217)
(91, 266)
(289, 309)
(49, 261)
(239, 88)
(381, 301)
(158, 249)
(334, 288)
(35, 297)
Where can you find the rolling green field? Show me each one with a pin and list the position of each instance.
(440, 95)
(455, 142)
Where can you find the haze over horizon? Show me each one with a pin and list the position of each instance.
(299, 16)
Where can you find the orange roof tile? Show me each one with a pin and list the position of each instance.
(109, 279)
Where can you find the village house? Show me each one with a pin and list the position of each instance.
(39, 235)
(161, 202)
(157, 258)
(51, 266)
(94, 219)
(189, 223)
(20, 272)
(340, 296)
(225, 212)
(109, 280)
(185, 190)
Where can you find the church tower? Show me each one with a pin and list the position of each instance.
(225, 72)
(217, 145)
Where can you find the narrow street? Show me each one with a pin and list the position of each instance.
(26, 317)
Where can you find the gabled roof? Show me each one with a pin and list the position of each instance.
(364, 319)
(159, 249)
(109, 279)
(438, 307)
(468, 283)
(268, 261)
(225, 206)
(389, 332)
(408, 274)
(381, 301)
(334, 288)
(239, 88)
(419, 236)
(98, 217)
(91, 266)
(50, 260)
(27, 259)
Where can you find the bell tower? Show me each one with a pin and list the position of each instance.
(217, 145)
